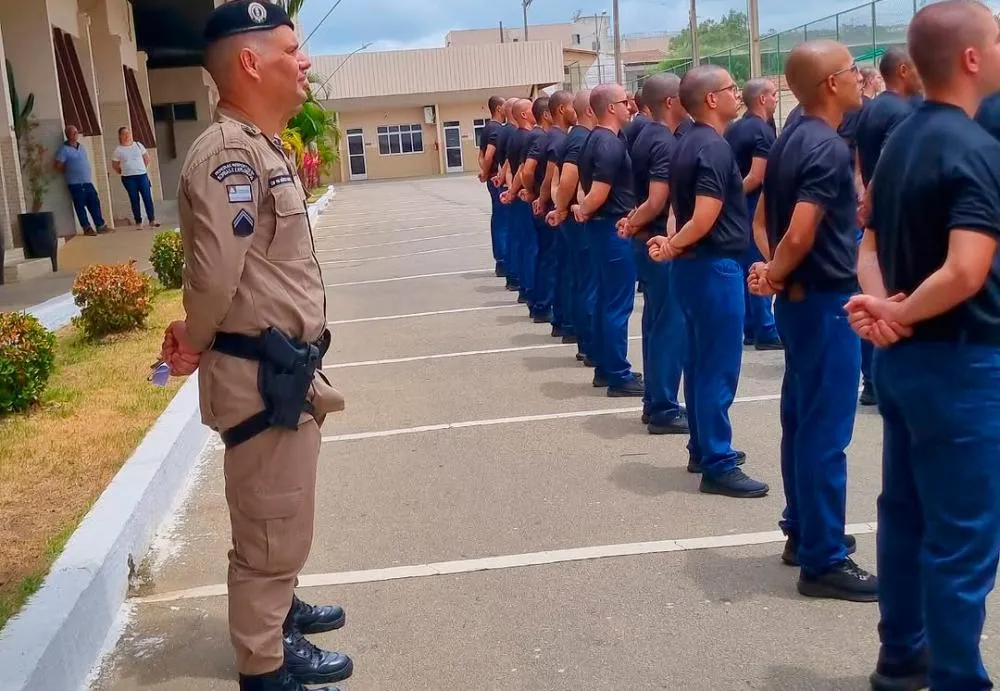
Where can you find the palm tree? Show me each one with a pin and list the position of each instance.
(292, 7)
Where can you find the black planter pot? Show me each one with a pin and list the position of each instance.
(38, 231)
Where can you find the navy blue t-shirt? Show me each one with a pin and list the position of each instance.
(938, 171)
(683, 128)
(704, 165)
(812, 163)
(750, 137)
(491, 135)
(503, 137)
(877, 122)
(633, 128)
(605, 159)
(989, 114)
(531, 142)
(515, 145)
(575, 140)
(651, 154)
(848, 126)
(539, 152)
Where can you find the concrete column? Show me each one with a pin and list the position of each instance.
(28, 46)
(142, 77)
(100, 157)
(12, 198)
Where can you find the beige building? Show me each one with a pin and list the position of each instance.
(98, 65)
(416, 113)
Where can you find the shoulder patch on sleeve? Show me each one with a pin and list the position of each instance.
(243, 224)
(240, 194)
(231, 168)
(279, 180)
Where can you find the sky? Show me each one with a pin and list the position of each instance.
(398, 24)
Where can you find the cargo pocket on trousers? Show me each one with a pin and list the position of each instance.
(280, 540)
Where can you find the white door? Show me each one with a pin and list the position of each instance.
(356, 155)
(453, 148)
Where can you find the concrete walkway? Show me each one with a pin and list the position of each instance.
(490, 521)
(125, 243)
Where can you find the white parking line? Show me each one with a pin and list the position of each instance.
(464, 353)
(411, 315)
(402, 256)
(467, 272)
(400, 242)
(512, 561)
(381, 232)
(355, 436)
(383, 218)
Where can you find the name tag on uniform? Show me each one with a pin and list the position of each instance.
(239, 194)
(280, 180)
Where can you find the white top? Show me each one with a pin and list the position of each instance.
(130, 158)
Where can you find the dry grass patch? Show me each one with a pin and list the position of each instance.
(56, 460)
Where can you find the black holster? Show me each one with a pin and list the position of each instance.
(286, 372)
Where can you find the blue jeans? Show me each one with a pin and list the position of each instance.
(939, 511)
(498, 224)
(85, 199)
(564, 305)
(545, 267)
(138, 186)
(759, 326)
(709, 290)
(818, 403)
(615, 268)
(663, 337)
(584, 285)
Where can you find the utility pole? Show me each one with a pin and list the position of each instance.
(524, 7)
(753, 15)
(618, 43)
(693, 19)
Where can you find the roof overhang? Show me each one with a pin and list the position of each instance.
(354, 105)
(170, 31)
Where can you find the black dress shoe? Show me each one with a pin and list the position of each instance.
(312, 665)
(694, 466)
(600, 381)
(867, 394)
(580, 357)
(278, 680)
(790, 555)
(734, 483)
(900, 676)
(633, 388)
(500, 273)
(588, 362)
(512, 287)
(522, 300)
(679, 425)
(314, 619)
(541, 318)
(557, 332)
(569, 338)
(845, 581)
(769, 345)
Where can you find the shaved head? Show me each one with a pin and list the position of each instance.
(810, 65)
(540, 107)
(640, 101)
(602, 96)
(941, 36)
(581, 102)
(697, 83)
(522, 111)
(893, 58)
(754, 89)
(494, 104)
(657, 89)
(222, 58)
(558, 100)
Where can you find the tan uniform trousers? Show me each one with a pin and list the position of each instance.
(271, 491)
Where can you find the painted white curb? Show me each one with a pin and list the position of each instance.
(63, 629)
(56, 312)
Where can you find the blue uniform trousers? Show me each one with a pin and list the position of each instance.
(564, 307)
(615, 269)
(709, 291)
(512, 258)
(527, 249)
(498, 225)
(759, 326)
(584, 285)
(545, 267)
(818, 403)
(939, 511)
(663, 337)
(867, 349)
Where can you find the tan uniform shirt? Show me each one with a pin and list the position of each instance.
(249, 261)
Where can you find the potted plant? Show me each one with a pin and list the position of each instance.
(38, 228)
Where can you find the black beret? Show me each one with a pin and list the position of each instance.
(243, 16)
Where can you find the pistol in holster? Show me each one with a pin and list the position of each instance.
(284, 378)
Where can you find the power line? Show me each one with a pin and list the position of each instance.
(325, 16)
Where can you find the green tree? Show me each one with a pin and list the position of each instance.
(732, 30)
(292, 7)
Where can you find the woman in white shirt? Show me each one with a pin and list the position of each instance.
(130, 161)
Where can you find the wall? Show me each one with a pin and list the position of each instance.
(396, 165)
(179, 85)
(466, 114)
(12, 202)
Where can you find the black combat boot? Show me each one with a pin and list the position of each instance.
(278, 680)
(308, 618)
(312, 665)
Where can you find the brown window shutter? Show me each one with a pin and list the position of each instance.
(142, 131)
(78, 108)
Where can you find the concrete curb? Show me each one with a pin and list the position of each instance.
(56, 312)
(63, 629)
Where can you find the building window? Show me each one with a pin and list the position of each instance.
(576, 39)
(400, 139)
(175, 112)
(478, 125)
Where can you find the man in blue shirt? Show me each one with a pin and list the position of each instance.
(662, 325)
(932, 308)
(72, 161)
(582, 275)
(810, 209)
(639, 121)
(706, 192)
(488, 167)
(518, 211)
(607, 184)
(751, 138)
(499, 183)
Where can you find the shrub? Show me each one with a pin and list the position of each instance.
(27, 357)
(112, 298)
(167, 258)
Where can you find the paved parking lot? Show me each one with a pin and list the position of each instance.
(490, 521)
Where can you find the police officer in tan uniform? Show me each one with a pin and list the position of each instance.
(255, 329)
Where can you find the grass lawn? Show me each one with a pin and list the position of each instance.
(316, 194)
(57, 459)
